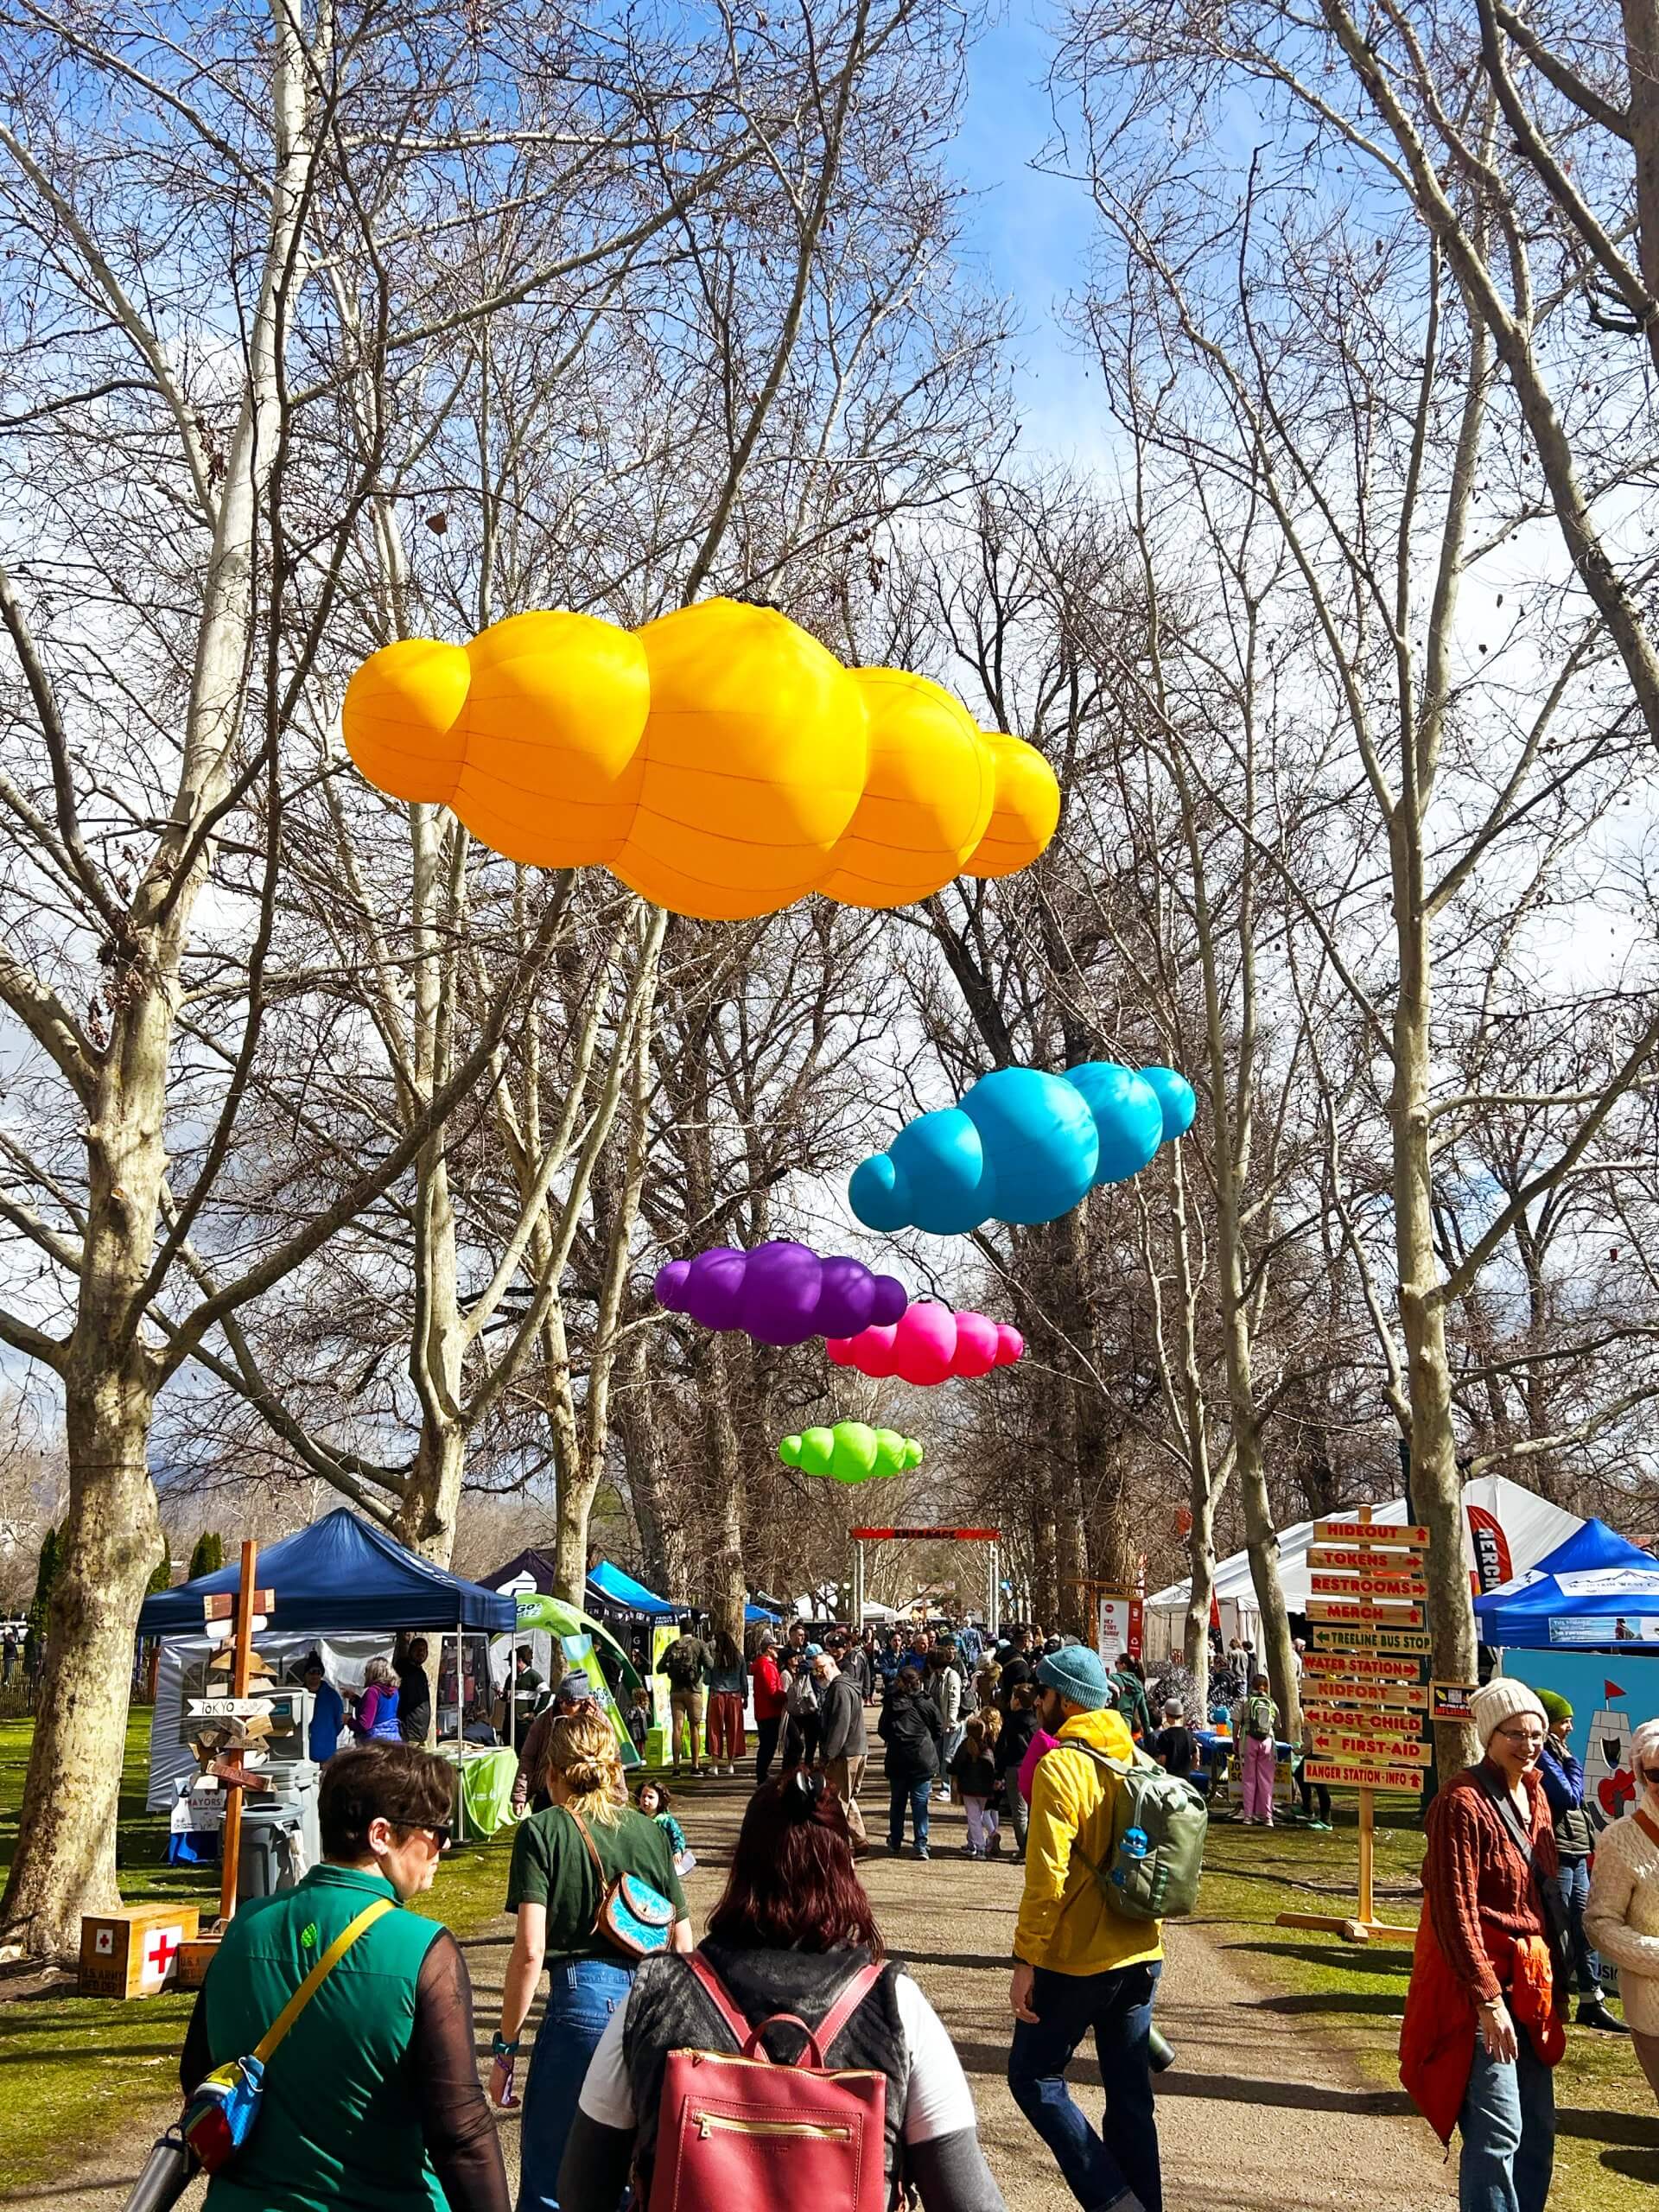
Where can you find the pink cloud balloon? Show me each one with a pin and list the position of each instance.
(930, 1344)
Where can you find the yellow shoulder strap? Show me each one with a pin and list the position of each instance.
(319, 1973)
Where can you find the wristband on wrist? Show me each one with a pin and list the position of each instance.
(502, 2048)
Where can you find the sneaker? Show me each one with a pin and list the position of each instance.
(895, 1849)
(1319, 1827)
(922, 1851)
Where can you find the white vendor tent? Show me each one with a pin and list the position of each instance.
(1506, 1530)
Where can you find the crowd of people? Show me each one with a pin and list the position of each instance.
(383, 2102)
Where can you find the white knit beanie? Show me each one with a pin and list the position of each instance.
(1501, 1700)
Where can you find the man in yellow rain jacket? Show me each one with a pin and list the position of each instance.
(1080, 1967)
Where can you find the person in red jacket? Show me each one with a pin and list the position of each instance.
(769, 1690)
(1482, 2026)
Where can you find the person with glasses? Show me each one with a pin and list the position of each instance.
(1483, 2029)
(1622, 1918)
(372, 2102)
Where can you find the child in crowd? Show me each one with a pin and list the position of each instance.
(974, 1772)
(640, 1719)
(1013, 1741)
(1255, 1736)
(1172, 1746)
(985, 1682)
(653, 1800)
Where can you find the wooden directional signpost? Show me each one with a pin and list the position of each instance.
(1365, 1695)
(235, 1724)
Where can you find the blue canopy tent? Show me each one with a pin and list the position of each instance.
(610, 1590)
(1595, 1591)
(340, 1577)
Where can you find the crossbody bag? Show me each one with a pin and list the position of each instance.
(219, 2115)
(633, 1917)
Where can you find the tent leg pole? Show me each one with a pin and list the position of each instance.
(461, 1732)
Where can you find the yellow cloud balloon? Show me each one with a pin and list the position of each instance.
(720, 760)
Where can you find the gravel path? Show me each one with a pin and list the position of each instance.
(1230, 2108)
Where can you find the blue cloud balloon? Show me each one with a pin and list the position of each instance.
(1021, 1147)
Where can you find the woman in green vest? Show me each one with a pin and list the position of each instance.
(372, 2102)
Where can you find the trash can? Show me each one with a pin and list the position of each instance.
(280, 1838)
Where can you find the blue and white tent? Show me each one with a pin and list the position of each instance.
(1595, 1591)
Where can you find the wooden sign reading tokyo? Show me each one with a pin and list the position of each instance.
(1362, 1744)
(1378, 1633)
(1361, 1612)
(1349, 1774)
(1413, 1538)
(1368, 1586)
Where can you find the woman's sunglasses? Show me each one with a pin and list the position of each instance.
(439, 1832)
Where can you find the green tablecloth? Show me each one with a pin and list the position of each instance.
(486, 1793)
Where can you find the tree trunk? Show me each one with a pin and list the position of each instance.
(64, 1865)
(728, 1589)
(1436, 1486)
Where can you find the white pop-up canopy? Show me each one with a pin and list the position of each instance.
(1506, 1530)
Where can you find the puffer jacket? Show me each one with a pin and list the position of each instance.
(910, 1728)
(1064, 1922)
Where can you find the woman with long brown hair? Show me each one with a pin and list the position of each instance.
(563, 1860)
(790, 1936)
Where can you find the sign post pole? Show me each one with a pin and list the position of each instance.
(229, 1842)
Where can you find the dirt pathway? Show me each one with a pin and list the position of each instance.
(1258, 2112)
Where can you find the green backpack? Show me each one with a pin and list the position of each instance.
(1159, 1825)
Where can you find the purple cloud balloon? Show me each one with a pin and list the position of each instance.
(780, 1294)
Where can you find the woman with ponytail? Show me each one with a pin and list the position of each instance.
(564, 1859)
(791, 1932)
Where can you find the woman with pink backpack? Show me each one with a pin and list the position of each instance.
(857, 2081)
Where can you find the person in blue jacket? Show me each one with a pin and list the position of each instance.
(1563, 1780)
(327, 1710)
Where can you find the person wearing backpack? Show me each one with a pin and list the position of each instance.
(793, 1935)
(371, 2103)
(687, 1662)
(1081, 1968)
(1130, 1695)
(910, 1728)
(1255, 1733)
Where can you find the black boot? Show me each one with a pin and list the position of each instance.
(1594, 2013)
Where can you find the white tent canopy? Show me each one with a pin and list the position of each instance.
(1514, 1528)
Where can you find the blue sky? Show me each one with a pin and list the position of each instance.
(1027, 232)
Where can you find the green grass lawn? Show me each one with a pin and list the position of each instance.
(75, 2072)
(1607, 2155)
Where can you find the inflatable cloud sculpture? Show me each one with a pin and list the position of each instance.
(850, 1452)
(1021, 1147)
(929, 1344)
(720, 760)
(780, 1294)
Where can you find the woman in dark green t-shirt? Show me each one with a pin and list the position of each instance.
(555, 1890)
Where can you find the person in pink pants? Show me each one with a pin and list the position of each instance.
(1256, 1731)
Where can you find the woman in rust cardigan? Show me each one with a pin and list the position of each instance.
(1482, 2030)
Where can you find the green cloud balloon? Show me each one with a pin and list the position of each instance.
(851, 1452)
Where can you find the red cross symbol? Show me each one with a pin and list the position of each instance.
(160, 1955)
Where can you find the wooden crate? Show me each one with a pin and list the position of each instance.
(134, 1952)
(195, 1958)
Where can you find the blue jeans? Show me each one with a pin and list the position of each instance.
(915, 1793)
(1575, 1895)
(1097, 2168)
(1507, 2124)
(582, 1996)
